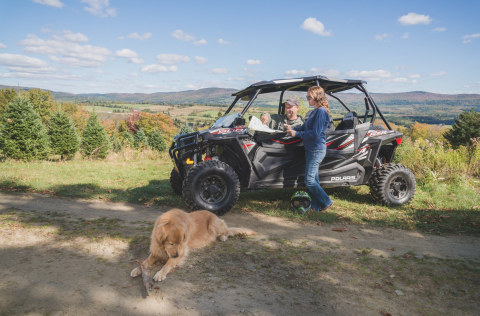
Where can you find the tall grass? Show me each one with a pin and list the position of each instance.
(435, 160)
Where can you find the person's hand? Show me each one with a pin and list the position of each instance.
(291, 132)
(264, 119)
(288, 127)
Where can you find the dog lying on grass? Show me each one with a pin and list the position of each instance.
(176, 232)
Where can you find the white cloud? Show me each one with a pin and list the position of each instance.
(74, 37)
(200, 42)
(439, 29)
(218, 71)
(414, 81)
(15, 60)
(383, 37)
(158, 68)
(413, 76)
(222, 41)
(130, 54)
(468, 38)
(181, 35)
(315, 26)
(235, 79)
(100, 8)
(325, 72)
(440, 73)
(136, 36)
(404, 67)
(98, 71)
(397, 80)
(45, 30)
(413, 18)
(60, 50)
(295, 72)
(405, 36)
(467, 86)
(133, 74)
(172, 59)
(253, 62)
(3, 45)
(200, 60)
(51, 3)
(374, 75)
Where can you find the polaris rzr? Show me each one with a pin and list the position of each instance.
(212, 165)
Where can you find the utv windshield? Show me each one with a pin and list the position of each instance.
(226, 121)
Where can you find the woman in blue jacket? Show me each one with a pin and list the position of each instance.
(313, 135)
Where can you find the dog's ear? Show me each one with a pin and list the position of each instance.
(161, 229)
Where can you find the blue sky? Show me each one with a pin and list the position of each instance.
(102, 46)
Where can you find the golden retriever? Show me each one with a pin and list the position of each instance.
(176, 232)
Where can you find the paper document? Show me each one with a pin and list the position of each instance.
(258, 126)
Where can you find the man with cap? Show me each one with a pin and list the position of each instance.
(277, 121)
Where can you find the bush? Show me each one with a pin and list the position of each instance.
(63, 136)
(186, 128)
(157, 141)
(95, 141)
(22, 134)
(116, 144)
(140, 139)
(128, 139)
(466, 127)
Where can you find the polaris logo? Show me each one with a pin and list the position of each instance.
(342, 178)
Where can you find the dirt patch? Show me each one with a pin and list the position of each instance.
(61, 256)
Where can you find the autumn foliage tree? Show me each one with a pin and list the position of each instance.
(150, 122)
(42, 101)
(22, 134)
(6, 95)
(422, 132)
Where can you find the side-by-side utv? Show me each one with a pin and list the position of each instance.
(212, 165)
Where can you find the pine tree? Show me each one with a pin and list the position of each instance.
(186, 128)
(157, 141)
(140, 139)
(116, 144)
(63, 135)
(128, 139)
(466, 127)
(95, 141)
(22, 134)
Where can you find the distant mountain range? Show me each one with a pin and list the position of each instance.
(414, 106)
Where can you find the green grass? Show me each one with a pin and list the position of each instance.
(437, 208)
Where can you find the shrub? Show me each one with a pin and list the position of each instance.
(140, 139)
(116, 144)
(186, 128)
(63, 136)
(22, 134)
(128, 139)
(466, 127)
(95, 141)
(157, 141)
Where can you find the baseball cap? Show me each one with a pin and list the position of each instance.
(293, 101)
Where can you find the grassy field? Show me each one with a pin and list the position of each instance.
(437, 208)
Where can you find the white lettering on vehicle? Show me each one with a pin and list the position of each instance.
(342, 178)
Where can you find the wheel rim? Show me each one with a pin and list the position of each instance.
(398, 188)
(213, 189)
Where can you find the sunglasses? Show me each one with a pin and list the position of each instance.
(309, 98)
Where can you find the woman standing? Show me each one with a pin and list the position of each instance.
(313, 135)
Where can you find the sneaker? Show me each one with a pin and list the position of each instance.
(327, 207)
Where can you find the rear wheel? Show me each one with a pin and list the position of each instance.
(176, 182)
(392, 184)
(212, 186)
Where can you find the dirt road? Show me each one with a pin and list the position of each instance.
(290, 268)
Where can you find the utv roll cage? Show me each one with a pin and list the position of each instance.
(330, 85)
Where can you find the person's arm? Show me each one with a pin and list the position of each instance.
(318, 126)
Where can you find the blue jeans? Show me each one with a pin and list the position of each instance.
(320, 199)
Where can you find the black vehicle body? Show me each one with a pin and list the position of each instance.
(355, 149)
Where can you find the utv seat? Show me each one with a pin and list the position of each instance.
(349, 121)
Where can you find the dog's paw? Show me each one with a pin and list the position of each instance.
(159, 276)
(223, 238)
(136, 272)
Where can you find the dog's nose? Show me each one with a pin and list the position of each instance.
(175, 256)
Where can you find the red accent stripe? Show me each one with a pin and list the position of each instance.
(328, 144)
(364, 147)
(344, 145)
(248, 145)
(295, 141)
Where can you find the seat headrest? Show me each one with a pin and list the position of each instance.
(350, 116)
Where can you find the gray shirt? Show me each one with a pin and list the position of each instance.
(276, 121)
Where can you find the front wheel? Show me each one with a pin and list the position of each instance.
(212, 186)
(392, 184)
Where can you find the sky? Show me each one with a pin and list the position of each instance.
(122, 46)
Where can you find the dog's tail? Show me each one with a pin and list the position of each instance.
(232, 231)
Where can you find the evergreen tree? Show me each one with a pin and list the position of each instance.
(95, 141)
(128, 139)
(157, 141)
(140, 139)
(63, 135)
(186, 128)
(6, 95)
(466, 127)
(116, 144)
(42, 101)
(22, 134)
